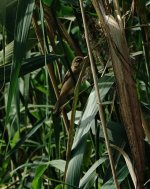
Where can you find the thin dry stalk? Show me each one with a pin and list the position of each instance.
(100, 108)
(50, 71)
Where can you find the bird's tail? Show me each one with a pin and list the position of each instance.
(58, 106)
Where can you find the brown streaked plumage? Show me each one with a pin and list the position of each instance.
(69, 83)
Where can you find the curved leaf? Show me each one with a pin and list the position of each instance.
(24, 15)
(90, 172)
(27, 135)
(29, 65)
(79, 144)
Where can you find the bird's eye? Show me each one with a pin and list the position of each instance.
(78, 60)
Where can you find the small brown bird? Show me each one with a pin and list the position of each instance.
(69, 83)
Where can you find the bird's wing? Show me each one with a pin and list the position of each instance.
(66, 77)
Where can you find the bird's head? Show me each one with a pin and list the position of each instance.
(78, 62)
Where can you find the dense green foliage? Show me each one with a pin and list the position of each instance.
(38, 41)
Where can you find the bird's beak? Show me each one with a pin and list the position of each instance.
(85, 57)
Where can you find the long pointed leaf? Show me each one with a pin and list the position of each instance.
(27, 136)
(23, 22)
(29, 65)
(80, 140)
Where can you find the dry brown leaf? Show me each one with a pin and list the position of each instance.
(129, 105)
